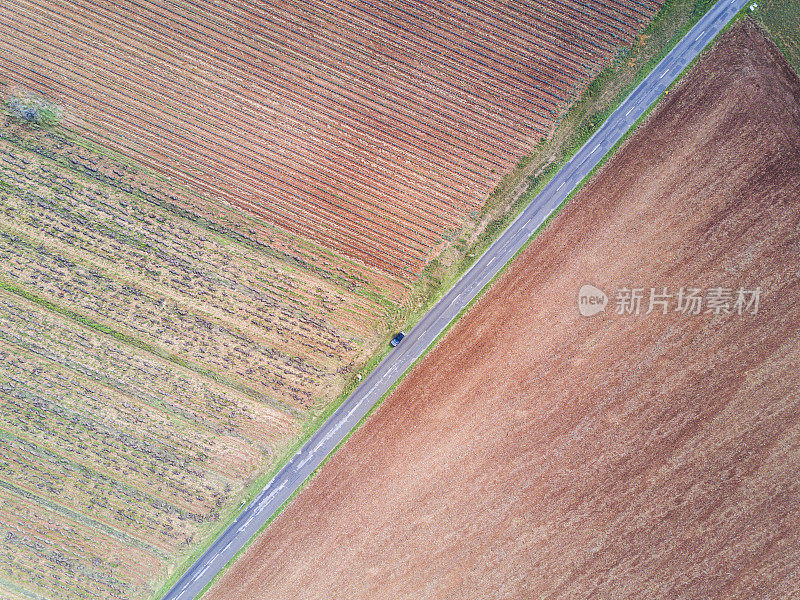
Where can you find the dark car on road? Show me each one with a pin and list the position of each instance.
(397, 339)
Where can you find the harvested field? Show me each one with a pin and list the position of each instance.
(537, 453)
(374, 129)
(157, 353)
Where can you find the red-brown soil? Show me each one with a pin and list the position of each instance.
(372, 128)
(536, 453)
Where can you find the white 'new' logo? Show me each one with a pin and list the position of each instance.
(591, 300)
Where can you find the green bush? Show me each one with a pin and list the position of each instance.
(33, 109)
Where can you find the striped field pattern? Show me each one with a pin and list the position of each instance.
(373, 128)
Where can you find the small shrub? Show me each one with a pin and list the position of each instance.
(33, 109)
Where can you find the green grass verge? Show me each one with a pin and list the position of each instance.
(781, 20)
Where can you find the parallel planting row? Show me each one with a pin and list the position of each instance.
(371, 128)
(124, 266)
(153, 362)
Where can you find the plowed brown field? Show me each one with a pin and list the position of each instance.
(372, 128)
(536, 453)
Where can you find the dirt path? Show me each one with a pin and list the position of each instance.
(538, 453)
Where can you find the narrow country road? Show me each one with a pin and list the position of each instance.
(309, 457)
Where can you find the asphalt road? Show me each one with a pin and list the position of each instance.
(309, 457)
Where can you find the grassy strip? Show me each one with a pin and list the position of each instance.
(781, 20)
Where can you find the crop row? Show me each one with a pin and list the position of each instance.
(110, 501)
(283, 251)
(267, 338)
(114, 435)
(43, 548)
(375, 154)
(204, 405)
